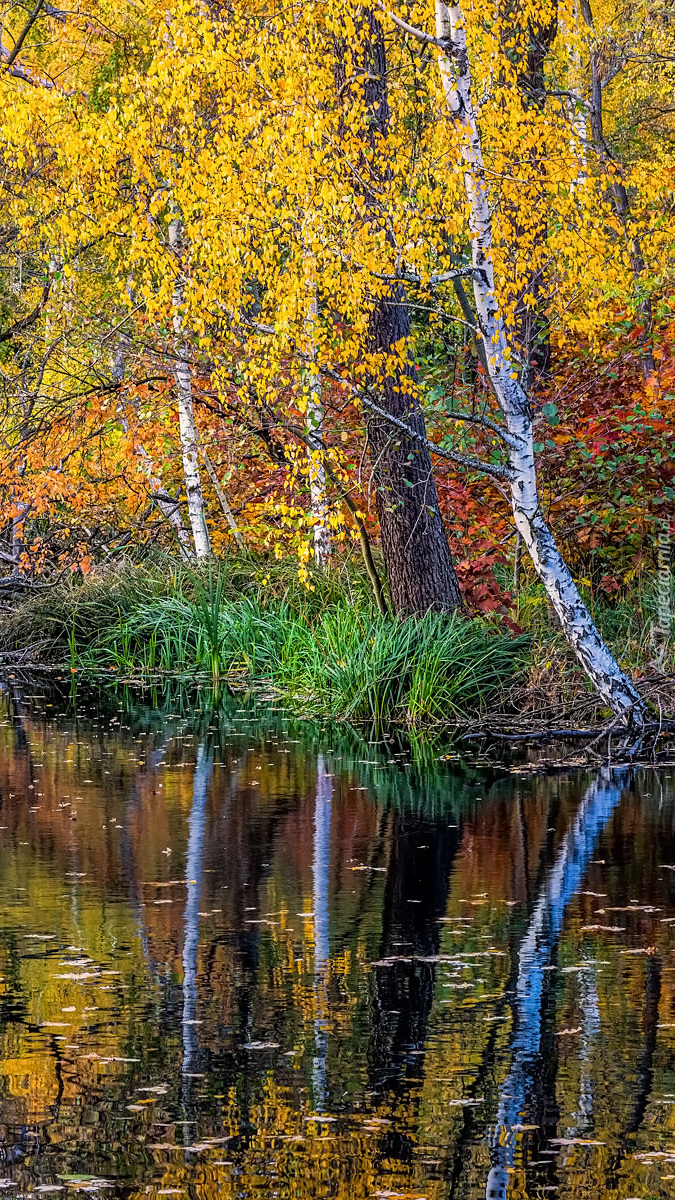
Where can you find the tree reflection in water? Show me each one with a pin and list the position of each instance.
(534, 958)
(193, 878)
(220, 1041)
(320, 882)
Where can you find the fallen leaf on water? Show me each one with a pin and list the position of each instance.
(563, 1032)
(208, 1142)
(575, 1142)
(398, 1196)
(603, 929)
(86, 1182)
(164, 883)
(649, 1156)
(648, 908)
(83, 975)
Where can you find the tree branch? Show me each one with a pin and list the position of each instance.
(463, 460)
(27, 321)
(427, 39)
(434, 280)
(24, 32)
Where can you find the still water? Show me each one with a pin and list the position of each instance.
(244, 957)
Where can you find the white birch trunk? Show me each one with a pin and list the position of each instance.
(18, 528)
(194, 871)
(318, 499)
(578, 113)
(189, 434)
(170, 509)
(224, 502)
(597, 660)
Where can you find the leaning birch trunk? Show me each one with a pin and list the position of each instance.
(318, 498)
(602, 668)
(224, 502)
(170, 509)
(189, 434)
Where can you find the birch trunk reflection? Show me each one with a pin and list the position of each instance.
(534, 957)
(193, 874)
(320, 881)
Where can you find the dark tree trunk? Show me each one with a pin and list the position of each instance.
(620, 199)
(532, 334)
(416, 553)
(417, 556)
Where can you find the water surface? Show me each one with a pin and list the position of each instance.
(243, 957)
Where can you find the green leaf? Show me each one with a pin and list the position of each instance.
(435, 393)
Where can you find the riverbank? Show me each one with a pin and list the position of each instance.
(326, 648)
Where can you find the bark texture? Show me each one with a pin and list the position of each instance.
(189, 434)
(599, 663)
(417, 556)
(318, 496)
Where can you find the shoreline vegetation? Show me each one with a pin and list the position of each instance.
(248, 621)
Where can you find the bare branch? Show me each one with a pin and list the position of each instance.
(27, 321)
(427, 39)
(486, 423)
(24, 32)
(463, 460)
(433, 281)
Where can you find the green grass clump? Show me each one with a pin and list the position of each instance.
(327, 648)
(344, 662)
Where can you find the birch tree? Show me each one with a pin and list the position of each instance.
(189, 433)
(316, 470)
(517, 435)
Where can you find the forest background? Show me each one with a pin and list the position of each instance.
(300, 287)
